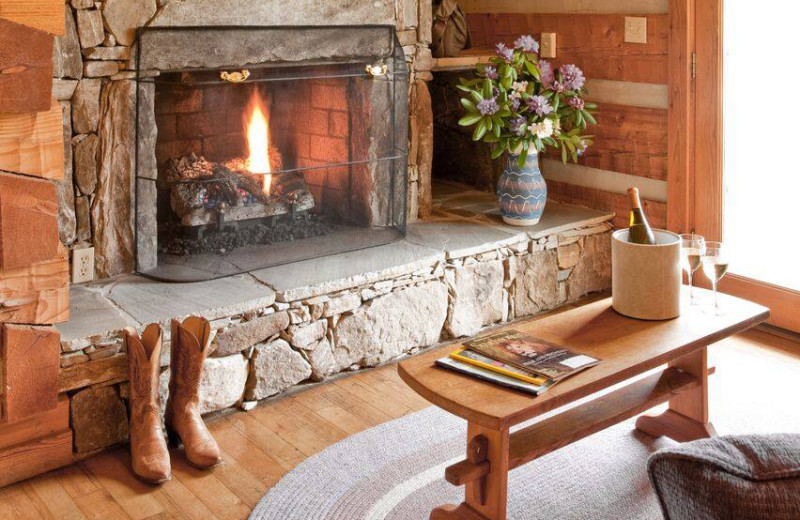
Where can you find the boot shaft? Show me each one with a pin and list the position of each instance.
(143, 371)
(190, 345)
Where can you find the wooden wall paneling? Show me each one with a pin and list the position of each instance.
(594, 42)
(680, 118)
(28, 221)
(606, 201)
(30, 365)
(628, 139)
(33, 143)
(37, 426)
(35, 457)
(36, 294)
(45, 15)
(26, 68)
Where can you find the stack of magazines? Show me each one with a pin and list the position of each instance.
(516, 360)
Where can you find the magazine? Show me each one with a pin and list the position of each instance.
(533, 355)
(490, 376)
(472, 357)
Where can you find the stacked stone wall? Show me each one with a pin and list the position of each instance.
(312, 334)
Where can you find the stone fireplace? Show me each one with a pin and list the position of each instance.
(159, 142)
(128, 110)
(263, 146)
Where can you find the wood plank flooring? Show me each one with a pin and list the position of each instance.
(264, 444)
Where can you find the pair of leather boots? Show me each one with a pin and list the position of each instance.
(190, 344)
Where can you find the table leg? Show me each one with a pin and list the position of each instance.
(485, 498)
(687, 416)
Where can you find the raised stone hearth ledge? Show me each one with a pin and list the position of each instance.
(279, 327)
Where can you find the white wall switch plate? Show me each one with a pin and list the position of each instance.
(548, 46)
(83, 265)
(635, 29)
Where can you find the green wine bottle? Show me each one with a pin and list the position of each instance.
(639, 231)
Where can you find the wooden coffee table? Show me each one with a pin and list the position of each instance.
(627, 348)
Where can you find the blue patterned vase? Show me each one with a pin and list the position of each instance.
(522, 192)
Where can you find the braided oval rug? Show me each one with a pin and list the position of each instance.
(395, 471)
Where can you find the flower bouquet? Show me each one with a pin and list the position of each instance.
(522, 105)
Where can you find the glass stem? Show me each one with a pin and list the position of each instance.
(691, 288)
(716, 300)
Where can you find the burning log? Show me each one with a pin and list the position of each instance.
(201, 189)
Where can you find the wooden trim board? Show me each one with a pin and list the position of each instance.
(639, 7)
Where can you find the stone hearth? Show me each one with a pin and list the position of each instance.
(283, 327)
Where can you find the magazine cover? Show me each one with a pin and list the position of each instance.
(492, 377)
(465, 355)
(537, 356)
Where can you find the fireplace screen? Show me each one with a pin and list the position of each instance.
(255, 149)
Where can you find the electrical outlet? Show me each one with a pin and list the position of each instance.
(548, 47)
(83, 265)
(635, 29)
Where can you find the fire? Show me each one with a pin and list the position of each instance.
(257, 125)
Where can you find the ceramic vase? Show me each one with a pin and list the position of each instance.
(522, 191)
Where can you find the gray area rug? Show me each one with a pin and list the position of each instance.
(396, 471)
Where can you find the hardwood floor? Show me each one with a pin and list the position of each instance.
(264, 444)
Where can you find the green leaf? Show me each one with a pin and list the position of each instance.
(556, 103)
(589, 117)
(465, 88)
(522, 157)
(490, 138)
(497, 151)
(591, 106)
(487, 120)
(496, 130)
(563, 153)
(480, 130)
(487, 89)
(469, 119)
(469, 105)
(476, 96)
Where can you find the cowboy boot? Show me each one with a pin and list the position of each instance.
(191, 341)
(149, 455)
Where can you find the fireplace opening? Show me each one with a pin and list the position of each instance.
(261, 164)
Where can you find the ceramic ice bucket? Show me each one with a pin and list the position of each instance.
(646, 279)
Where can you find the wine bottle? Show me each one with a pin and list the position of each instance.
(639, 231)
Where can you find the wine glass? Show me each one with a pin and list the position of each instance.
(715, 265)
(692, 248)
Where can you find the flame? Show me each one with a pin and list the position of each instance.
(257, 125)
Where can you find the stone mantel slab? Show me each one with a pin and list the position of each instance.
(181, 13)
(216, 48)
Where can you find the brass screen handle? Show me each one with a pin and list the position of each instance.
(236, 76)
